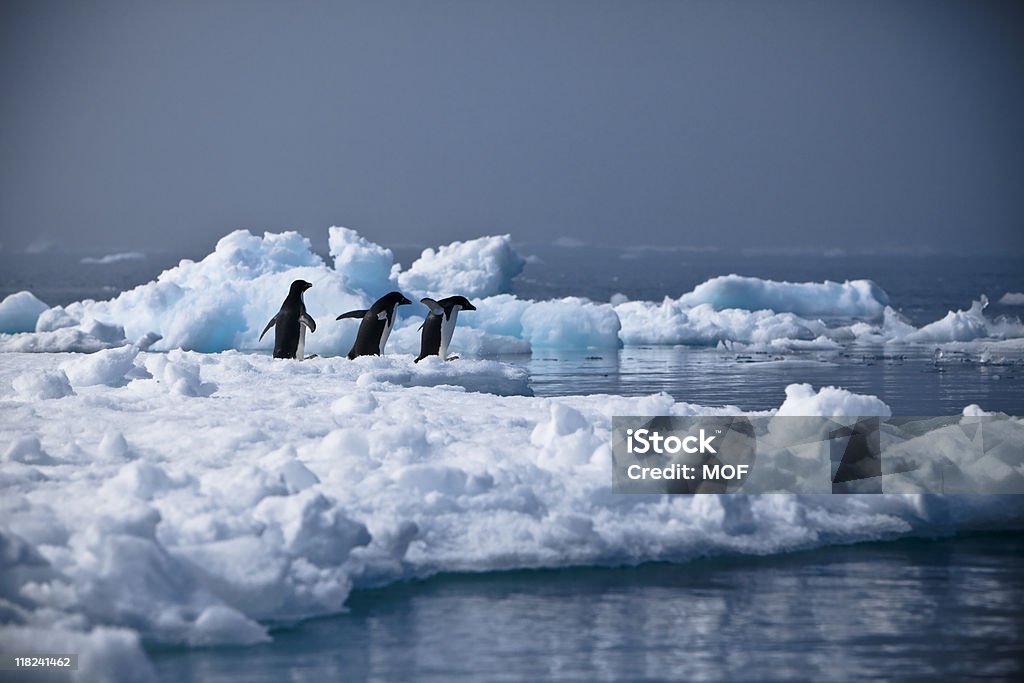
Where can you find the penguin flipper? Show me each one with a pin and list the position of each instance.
(307, 320)
(435, 308)
(352, 314)
(273, 321)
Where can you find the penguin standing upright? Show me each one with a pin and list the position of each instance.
(376, 325)
(289, 333)
(439, 326)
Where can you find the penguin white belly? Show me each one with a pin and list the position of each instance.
(447, 330)
(387, 328)
(300, 350)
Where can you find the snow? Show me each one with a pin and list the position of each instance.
(193, 498)
(366, 266)
(19, 312)
(803, 400)
(475, 268)
(37, 386)
(110, 367)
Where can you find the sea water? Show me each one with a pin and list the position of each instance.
(944, 608)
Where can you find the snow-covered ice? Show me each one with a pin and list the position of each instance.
(19, 312)
(476, 268)
(194, 498)
(223, 301)
(857, 298)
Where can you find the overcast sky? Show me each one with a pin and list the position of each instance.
(166, 124)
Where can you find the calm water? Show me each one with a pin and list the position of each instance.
(944, 610)
(908, 379)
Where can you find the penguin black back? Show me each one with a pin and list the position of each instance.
(439, 325)
(289, 333)
(376, 324)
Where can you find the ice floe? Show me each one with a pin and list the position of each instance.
(195, 498)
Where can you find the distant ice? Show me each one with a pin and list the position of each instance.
(193, 505)
(966, 326)
(223, 302)
(618, 298)
(19, 312)
(476, 268)
(114, 258)
(366, 266)
(853, 299)
(673, 322)
(1012, 299)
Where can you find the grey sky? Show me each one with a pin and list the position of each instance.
(142, 124)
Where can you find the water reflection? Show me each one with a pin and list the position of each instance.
(914, 608)
(905, 378)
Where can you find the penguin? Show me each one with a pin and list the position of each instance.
(440, 324)
(376, 324)
(289, 333)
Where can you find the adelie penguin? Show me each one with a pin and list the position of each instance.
(290, 324)
(439, 326)
(376, 324)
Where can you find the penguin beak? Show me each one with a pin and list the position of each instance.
(469, 307)
(404, 301)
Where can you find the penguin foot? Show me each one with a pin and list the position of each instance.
(452, 358)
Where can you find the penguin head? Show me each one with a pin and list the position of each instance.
(460, 301)
(299, 286)
(392, 299)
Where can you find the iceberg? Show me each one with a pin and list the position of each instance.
(967, 325)
(673, 322)
(475, 268)
(851, 299)
(19, 312)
